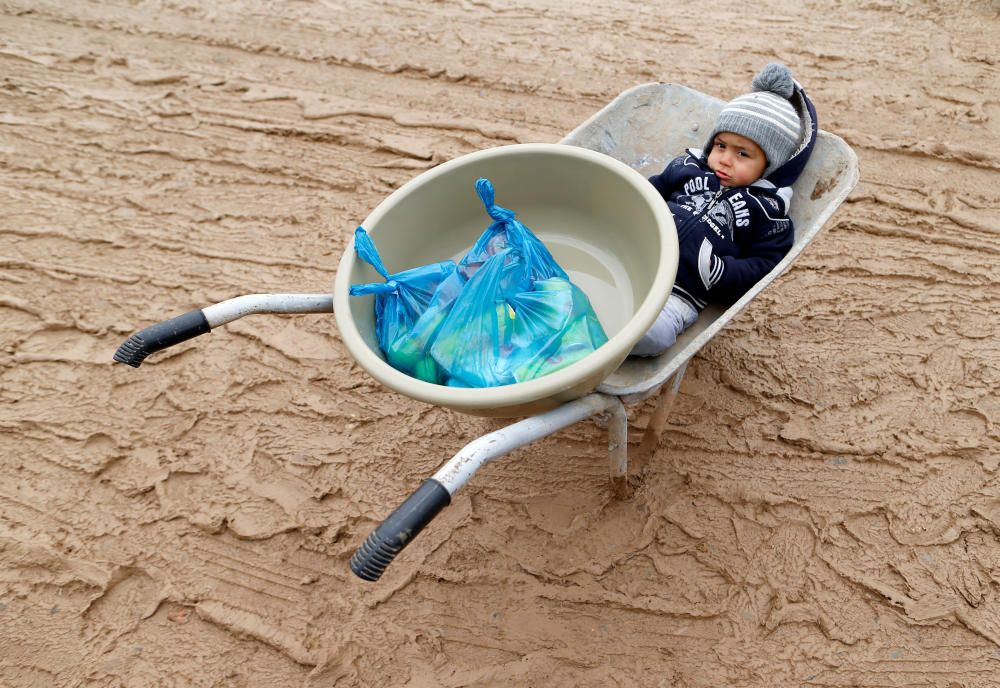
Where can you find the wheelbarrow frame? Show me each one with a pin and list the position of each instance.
(639, 128)
(644, 127)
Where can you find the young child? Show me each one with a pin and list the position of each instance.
(730, 201)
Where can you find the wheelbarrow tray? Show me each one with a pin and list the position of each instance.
(647, 126)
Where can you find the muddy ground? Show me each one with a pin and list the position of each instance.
(824, 509)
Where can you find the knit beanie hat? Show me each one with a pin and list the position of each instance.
(766, 116)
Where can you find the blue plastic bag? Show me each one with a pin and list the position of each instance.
(518, 317)
(417, 344)
(507, 232)
(399, 303)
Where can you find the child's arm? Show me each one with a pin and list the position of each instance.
(725, 278)
(731, 276)
(673, 176)
(739, 274)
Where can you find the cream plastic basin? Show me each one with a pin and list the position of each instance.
(603, 222)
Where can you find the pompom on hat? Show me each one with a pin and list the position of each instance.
(766, 116)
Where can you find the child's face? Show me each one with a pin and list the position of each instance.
(736, 160)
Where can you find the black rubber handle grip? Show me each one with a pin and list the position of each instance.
(161, 335)
(397, 531)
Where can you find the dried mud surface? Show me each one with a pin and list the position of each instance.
(824, 509)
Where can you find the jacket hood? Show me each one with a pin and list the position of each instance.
(790, 171)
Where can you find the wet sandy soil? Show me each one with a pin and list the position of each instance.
(824, 509)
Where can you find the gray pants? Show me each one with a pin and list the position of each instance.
(675, 317)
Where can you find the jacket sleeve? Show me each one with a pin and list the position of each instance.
(672, 178)
(735, 275)
(725, 278)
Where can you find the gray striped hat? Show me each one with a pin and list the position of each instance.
(766, 116)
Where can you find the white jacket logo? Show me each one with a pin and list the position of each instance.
(710, 266)
(742, 213)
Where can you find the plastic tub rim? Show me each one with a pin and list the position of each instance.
(549, 386)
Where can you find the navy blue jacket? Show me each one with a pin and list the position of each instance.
(730, 237)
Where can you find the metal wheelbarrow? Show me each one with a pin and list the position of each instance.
(627, 278)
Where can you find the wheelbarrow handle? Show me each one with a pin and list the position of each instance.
(399, 529)
(160, 336)
(191, 324)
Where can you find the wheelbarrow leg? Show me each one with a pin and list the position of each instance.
(406, 522)
(156, 337)
(654, 428)
(618, 450)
